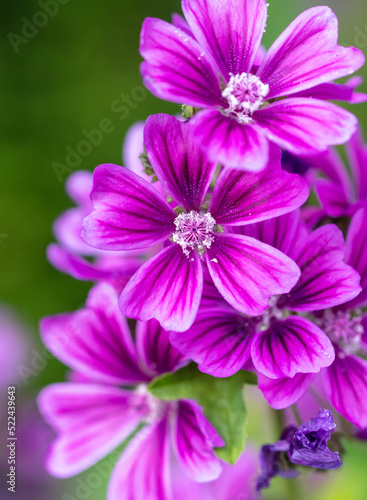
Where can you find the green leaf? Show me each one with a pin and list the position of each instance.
(220, 398)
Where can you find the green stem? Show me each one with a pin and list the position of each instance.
(279, 422)
(293, 492)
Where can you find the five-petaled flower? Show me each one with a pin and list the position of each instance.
(129, 213)
(214, 62)
(286, 349)
(107, 399)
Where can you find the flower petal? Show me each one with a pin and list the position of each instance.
(78, 187)
(193, 446)
(312, 215)
(328, 91)
(155, 350)
(128, 212)
(231, 31)
(95, 341)
(237, 482)
(279, 232)
(177, 160)
(346, 387)
(354, 82)
(91, 421)
(306, 54)
(143, 471)
(357, 154)
(356, 255)
(306, 126)
(69, 263)
(247, 272)
(219, 341)
(326, 280)
(332, 198)
(229, 142)
(291, 346)
(331, 164)
(167, 287)
(176, 67)
(211, 298)
(283, 392)
(244, 197)
(118, 268)
(133, 147)
(67, 229)
(181, 23)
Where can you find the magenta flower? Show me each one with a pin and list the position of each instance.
(279, 344)
(210, 63)
(95, 416)
(129, 213)
(68, 255)
(305, 445)
(345, 379)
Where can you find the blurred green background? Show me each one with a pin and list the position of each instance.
(61, 82)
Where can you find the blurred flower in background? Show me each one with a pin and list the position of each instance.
(14, 344)
(32, 433)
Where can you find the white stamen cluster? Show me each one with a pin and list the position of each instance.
(244, 93)
(194, 230)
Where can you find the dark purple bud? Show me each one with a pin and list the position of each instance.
(309, 444)
(306, 445)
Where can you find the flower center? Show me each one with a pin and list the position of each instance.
(343, 328)
(194, 230)
(244, 93)
(270, 314)
(142, 400)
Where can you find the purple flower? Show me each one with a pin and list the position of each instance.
(68, 255)
(95, 416)
(211, 62)
(279, 344)
(345, 379)
(129, 213)
(304, 445)
(309, 443)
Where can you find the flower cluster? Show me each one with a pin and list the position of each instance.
(206, 250)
